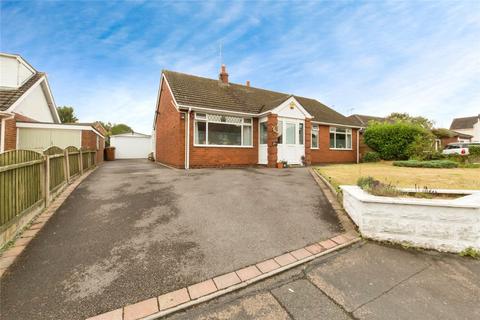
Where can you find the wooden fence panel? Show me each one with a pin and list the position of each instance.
(20, 182)
(73, 160)
(88, 159)
(57, 167)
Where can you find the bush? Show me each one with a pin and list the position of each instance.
(421, 148)
(371, 156)
(377, 188)
(426, 164)
(474, 151)
(392, 140)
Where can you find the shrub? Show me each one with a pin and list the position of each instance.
(426, 164)
(378, 188)
(474, 150)
(365, 182)
(371, 156)
(421, 148)
(392, 140)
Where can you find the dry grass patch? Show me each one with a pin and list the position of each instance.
(457, 178)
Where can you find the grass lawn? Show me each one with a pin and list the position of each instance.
(457, 178)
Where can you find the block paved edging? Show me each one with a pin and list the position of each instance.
(209, 289)
(23, 239)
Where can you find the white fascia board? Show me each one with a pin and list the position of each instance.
(336, 124)
(175, 104)
(58, 126)
(288, 101)
(23, 96)
(52, 100)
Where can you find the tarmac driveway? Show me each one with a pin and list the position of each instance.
(134, 230)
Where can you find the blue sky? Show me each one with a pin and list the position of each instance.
(104, 58)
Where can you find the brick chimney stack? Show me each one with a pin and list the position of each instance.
(223, 76)
(248, 83)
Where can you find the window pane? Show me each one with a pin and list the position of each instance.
(332, 140)
(300, 133)
(339, 130)
(200, 132)
(247, 135)
(290, 133)
(280, 132)
(349, 141)
(341, 141)
(314, 139)
(200, 115)
(224, 134)
(247, 120)
(263, 133)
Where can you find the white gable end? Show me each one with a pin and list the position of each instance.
(35, 105)
(291, 108)
(13, 73)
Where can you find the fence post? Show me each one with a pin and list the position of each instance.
(80, 159)
(47, 180)
(67, 166)
(42, 179)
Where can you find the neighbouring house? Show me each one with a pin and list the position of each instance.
(445, 136)
(201, 122)
(132, 145)
(467, 125)
(28, 114)
(362, 121)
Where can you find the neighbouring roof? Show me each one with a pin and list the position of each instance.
(446, 133)
(202, 92)
(363, 120)
(9, 96)
(464, 123)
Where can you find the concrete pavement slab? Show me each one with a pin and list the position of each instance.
(362, 275)
(445, 290)
(261, 306)
(304, 301)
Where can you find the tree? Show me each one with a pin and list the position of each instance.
(66, 114)
(116, 128)
(405, 117)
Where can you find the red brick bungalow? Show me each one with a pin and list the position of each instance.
(202, 122)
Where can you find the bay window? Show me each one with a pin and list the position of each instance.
(340, 138)
(315, 135)
(221, 130)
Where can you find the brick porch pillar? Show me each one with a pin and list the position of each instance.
(308, 142)
(272, 140)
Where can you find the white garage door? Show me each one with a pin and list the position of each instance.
(131, 147)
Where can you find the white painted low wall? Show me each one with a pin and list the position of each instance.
(445, 225)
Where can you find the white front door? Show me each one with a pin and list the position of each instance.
(262, 142)
(291, 141)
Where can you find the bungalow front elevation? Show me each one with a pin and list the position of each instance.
(201, 122)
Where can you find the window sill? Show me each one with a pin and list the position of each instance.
(220, 146)
(341, 149)
(314, 148)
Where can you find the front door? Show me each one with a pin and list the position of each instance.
(291, 140)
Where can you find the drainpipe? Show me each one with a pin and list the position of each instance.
(187, 140)
(358, 145)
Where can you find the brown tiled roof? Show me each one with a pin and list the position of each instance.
(196, 91)
(363, 120)
(9, 96)
(464, 123)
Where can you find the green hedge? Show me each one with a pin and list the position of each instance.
(426, 164)
(395, 141)
(371, 156)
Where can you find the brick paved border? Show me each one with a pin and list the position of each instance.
(197, 293)
(22, 240)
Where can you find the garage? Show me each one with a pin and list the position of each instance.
(131, 145)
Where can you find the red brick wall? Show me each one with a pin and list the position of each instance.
(445, 141)
(10, 134)
(272, 139)
(324, 155)
(89, 142)
(223, 156)
(170, 132)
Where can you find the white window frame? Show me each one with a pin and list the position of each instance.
(348, 132)
(203, 117)
(318, 137)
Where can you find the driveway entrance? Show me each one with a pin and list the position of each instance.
(134, 230)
